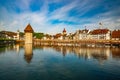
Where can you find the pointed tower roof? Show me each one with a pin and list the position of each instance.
(64, 30)
(28, 29)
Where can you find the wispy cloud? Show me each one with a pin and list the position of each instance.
(23, 4)
(43, 20)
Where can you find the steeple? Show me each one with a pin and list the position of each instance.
(64, 30)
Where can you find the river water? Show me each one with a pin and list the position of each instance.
(28, 62)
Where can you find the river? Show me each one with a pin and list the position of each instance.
(35, 62)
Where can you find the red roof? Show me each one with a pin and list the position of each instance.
(99, 31)
(28, 29)
(58, 35)
(116, 34)
(64, 30)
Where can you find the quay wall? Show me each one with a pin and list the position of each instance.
(76, 42)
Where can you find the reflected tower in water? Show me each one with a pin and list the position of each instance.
(28, 53)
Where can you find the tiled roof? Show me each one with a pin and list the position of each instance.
(57, 35)
(28, 29)
(116, 34)
(99, 31)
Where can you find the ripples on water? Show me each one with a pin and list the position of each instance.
(27, 62)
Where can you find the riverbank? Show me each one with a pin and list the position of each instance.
(66, 42)
(77, 42)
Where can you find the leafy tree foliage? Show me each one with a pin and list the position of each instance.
(38, 35)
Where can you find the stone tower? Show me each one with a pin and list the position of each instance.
(28, 34)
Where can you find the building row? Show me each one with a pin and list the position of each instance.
(9, 35)
(85, 34)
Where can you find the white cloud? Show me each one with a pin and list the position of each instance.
(23, 4)
(40, 20)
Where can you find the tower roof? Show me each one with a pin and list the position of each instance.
(28, 29)
(64, 30)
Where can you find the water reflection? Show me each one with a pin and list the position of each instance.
(4, 49)
(59, 62)
(86, 52)
(28, 53)
(100, 54)
(17, 48)
(115, 53)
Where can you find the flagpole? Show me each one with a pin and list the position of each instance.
(100, 25)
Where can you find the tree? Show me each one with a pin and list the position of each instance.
(38, 35)
(21, 34)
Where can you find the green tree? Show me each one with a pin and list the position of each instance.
(38, 35)
(21, 34)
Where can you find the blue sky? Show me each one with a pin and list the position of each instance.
(51, 16)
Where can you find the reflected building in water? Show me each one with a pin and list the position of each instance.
(61, 49)
(28, 52)
(115, 53)
(17, 47)
(64, 51)
(99, 53)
